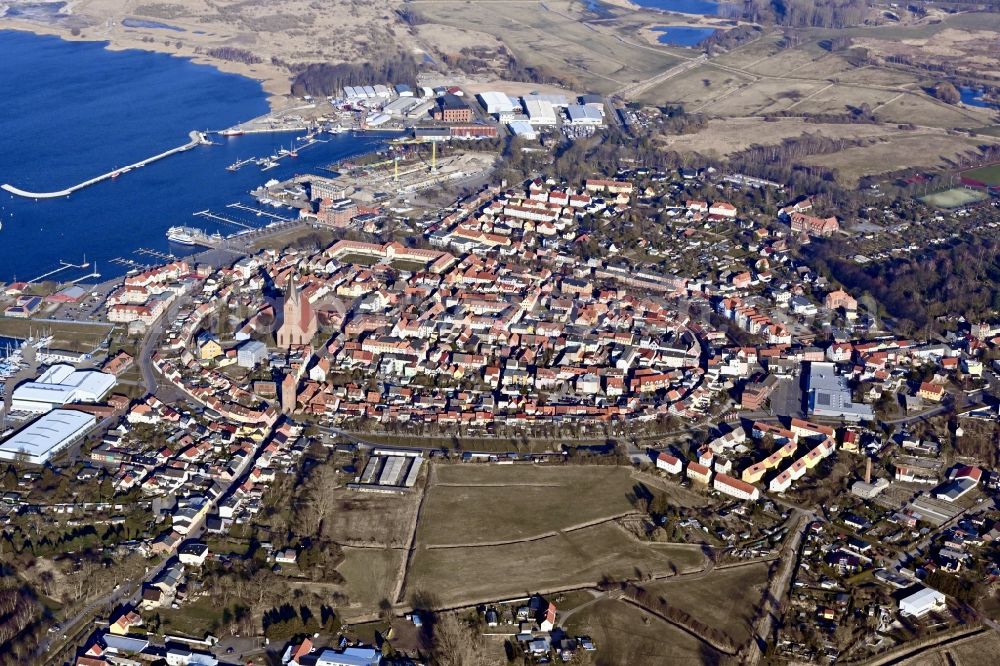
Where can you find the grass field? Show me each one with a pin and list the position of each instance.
(369, 519)
(901, 151)
(550, 35)
(76, 337)
(467, 575)
(515, 502)
(978, 650)
(195, 619)
(953, 198)
(990, 175)
(720, 137)
(370, 575)
(726, 599)
(624, 634)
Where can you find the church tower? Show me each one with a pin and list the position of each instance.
(299, 325)
(289, 393)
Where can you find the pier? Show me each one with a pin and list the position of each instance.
(93, 275)
(221, 218)
(156, 254)
(197, 139)
(258, 212)
(63, 265)
(129, 263)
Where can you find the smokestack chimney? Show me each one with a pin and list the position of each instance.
(868, 471)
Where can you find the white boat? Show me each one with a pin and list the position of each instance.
(181, 235)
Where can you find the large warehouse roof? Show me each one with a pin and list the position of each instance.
(47, 435)
(59, 385)
(540, 112)
(496, 102)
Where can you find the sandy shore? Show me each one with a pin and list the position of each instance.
(275, 81)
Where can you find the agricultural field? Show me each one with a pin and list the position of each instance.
(726, 599)
(550, 35)
(956, 197)
(979, 650)
(466, 575)
(766, 96)
(697, 88)
(502, 503)
(923, 110)
(988, 175)
(625, 634)
(369, 519)
(370, 575)
(481, 525)
(906, 150)
(720, 137)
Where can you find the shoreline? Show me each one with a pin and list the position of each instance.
(274, 82)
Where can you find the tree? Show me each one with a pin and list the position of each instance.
(947, 93)
(456, 643)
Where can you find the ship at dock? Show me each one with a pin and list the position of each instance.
(191, 236)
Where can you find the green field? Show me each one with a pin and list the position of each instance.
(988, 174)
(956, 197)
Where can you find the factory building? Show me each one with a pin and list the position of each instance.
(452, 109)
(60, 385)
(523, 129)
(497, 103)
(922, 602)
(47, 436)
(432, 133)
(829, 395)
(580, 114)
(473, 131)
(540, 111)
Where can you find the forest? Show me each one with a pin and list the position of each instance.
(323, 79)
(963, 279)
(20, 612)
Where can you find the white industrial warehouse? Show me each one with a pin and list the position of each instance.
(540, 111)
(496, 103)
(921, 602)
(46, 436)
(60, 385)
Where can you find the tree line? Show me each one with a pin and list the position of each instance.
(322, 79)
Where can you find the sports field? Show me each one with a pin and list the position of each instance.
(989, 175)
(956, 197)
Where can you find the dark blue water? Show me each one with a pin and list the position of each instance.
(974, 97)
(683, 35)
(703, 7)
(84, 111)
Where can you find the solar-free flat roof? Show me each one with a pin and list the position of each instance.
(46, 434)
